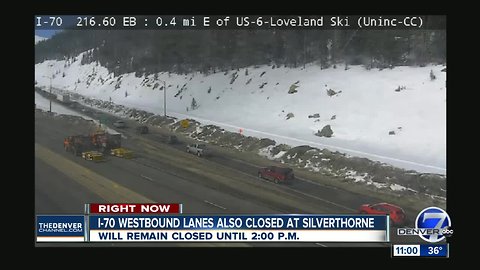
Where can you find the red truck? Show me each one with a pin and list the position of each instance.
(104, 142)
(78, 144)
(276, 174)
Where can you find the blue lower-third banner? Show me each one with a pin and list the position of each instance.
(239, 228)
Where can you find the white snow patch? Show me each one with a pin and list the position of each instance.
(266, 152)
(39, 38)
(279, 154)
(397, 187)
(311, 166)
(351, 174)
(379, 185)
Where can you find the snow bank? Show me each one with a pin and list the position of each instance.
(396, 116)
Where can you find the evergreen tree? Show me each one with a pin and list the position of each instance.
(194, 104)
(207, 51)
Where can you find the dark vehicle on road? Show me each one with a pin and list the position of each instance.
(277, 174)
(172, 139)
(142, 130)
(119, 124)
(397, 215)
(198, 149)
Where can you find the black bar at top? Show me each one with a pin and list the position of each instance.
(239, 22)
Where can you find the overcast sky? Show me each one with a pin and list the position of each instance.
(45, 33)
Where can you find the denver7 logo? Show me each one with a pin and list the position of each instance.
(434, 222)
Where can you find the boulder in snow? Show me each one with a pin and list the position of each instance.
(316, 115)
(290, 115)
(325, 132)
(331, 92)
(293, 89)
(400, 88)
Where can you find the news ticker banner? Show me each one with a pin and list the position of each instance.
(213, 228)
(421, 250)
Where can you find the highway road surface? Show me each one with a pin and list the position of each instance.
(162, 172)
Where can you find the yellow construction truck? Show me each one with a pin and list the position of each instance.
(121, 152)
(93, 156)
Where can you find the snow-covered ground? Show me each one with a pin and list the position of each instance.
(39, 38)
(256, 100)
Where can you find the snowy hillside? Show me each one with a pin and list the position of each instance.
(39, 38)
(397, 116)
